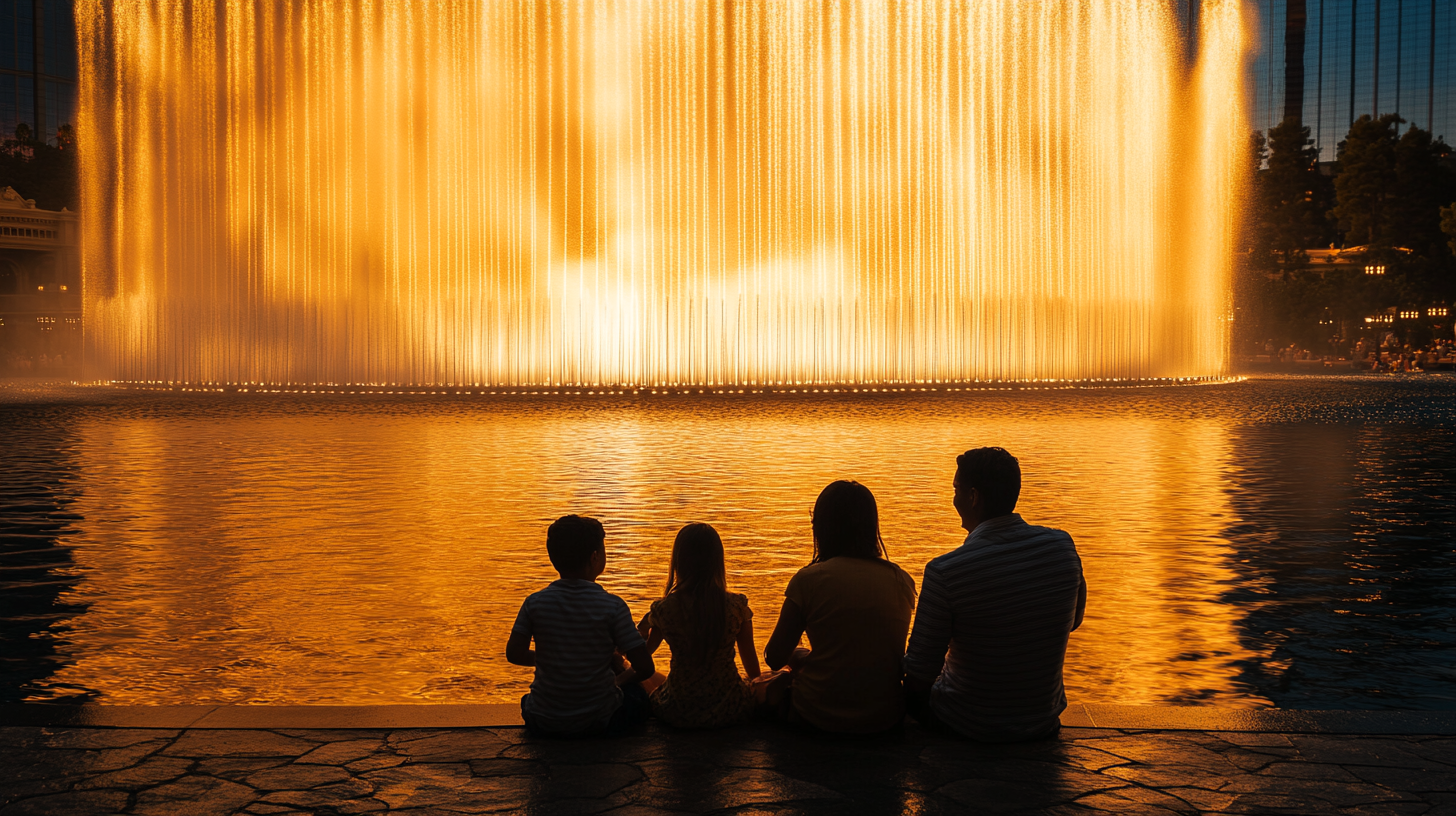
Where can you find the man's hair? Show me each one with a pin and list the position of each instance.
(995, 474)
(571, 540)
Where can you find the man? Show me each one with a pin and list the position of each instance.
(1003, 605)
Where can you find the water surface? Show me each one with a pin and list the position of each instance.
(1283, 542)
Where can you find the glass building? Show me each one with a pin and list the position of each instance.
(37, 66)
(1332, 61)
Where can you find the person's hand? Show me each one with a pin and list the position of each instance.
(798, 658)
(917, 686)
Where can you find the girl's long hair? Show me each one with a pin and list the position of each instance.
(698, 578)
(847, 522)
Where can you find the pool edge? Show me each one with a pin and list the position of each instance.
(507, 715)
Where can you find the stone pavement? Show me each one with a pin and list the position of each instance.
(754, 769)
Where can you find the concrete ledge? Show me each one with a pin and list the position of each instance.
(508, 715)
(385, 716)
(1279, 720)
(103, 716)
(259, 716)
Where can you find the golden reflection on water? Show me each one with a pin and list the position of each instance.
(378, 552)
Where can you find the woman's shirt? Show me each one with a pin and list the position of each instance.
(704, 687)
(857, 612)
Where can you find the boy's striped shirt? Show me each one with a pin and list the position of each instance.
(577, 626)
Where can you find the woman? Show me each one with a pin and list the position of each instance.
(855, 604)
(701, 621)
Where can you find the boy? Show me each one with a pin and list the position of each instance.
(579, 628)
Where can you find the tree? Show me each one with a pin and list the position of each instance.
(1367, 179)
(1254, 235)
(1290, 194)
(1254, 256)
(1420, 187)
(45, 172)
(1448, 226)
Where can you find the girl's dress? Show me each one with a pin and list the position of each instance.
(703, 687)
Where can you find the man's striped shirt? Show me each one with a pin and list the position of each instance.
(577, 626)
(1003, 605)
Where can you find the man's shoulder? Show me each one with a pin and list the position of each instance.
(948, 559)
(1032, 532)
(994, 547)
(1041, 544)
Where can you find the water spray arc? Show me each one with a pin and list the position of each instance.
(657, 192)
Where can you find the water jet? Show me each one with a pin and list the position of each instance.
(605, 193)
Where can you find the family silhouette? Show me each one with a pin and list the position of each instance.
(987, 638)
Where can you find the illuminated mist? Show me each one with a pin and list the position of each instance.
(634, 192)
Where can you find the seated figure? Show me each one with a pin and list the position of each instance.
(702, 622)
(580, 688)
(855, 605)
(985, 655)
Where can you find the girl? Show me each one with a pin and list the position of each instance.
(701, 621)
(855, 604)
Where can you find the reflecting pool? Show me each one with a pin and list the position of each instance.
(1284, 541)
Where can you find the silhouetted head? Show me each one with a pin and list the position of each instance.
(995, 477)
(698, 581)
(572, 540)
(846, 522)
(697, 561)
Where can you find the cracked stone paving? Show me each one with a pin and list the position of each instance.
(754, 769)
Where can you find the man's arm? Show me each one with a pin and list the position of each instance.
(1081, 604)
(518, 650)
(930, 636)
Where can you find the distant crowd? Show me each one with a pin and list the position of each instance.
(983, 659)
(1389, 354)
(15, 364)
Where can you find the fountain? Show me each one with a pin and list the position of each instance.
(624, 192)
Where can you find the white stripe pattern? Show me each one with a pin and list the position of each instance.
(1002, 605)
(577, 626)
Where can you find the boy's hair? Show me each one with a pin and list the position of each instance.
(995, 474)
(571, 540)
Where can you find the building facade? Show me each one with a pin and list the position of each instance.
(37, 66)
(40, 288)
(1332, 61)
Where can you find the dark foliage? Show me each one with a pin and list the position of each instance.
(1367, 179)
(1386, 196)
(1293, 196)
(46, 172)
(1448, 226)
